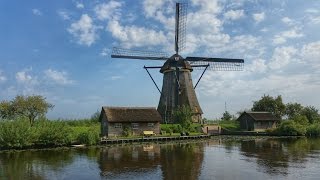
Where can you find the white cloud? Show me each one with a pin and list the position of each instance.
(64, 14)
(58, 77)
(258, 17)
(282, 57)
(105, 52)
(79, 5)
(2, 77)
(311, 53)
(133, 36)
(288, 21)
(36, 12)
(107, 11)
(283, 36)
(84, 30)
(311, 10)
(234, 14)
(24, 77)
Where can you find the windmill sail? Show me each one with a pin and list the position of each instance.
(181, 24)
(135, 54)
(216, 64)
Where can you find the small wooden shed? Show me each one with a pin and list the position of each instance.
(257, 121)
(116, 120)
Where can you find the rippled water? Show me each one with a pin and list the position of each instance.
(219, 158)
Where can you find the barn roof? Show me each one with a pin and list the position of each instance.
(131, 114)
(262, 116)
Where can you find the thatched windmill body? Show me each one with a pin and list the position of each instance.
(177, 87)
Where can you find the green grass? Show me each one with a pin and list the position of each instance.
(230, 125)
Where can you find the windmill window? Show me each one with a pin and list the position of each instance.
(117, 125)
(150, 124)
(135, 125)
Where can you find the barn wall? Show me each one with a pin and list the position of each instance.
(246, 122)
(112, 131)
(263, 125)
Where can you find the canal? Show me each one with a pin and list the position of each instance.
(217, 158)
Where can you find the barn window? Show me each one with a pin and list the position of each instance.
(135, 125)
(117, 125)
(150, 124)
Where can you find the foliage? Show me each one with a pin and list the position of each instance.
(126, 130)
(291, 128)
(313, 130)
(293, 109)
(16, 134)
(183, 115)
(89, 137)
(176, 128)
(302, 120)
(6, 110)
(30, 107)
(270, 104)
(52, 133)
(226, 116)
(19, 133)
(311, 113)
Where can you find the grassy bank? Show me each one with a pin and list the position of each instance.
(18, 134)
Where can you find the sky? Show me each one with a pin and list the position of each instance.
(61, 50)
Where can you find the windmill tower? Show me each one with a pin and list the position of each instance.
(177, 87)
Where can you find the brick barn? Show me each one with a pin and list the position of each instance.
(114, 120)
(257, 121)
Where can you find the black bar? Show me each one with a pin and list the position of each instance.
(177, 28)
(146, 68)
(200, 65)
(201, 76)
(152, 67)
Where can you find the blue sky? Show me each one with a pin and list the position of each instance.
(61, 50)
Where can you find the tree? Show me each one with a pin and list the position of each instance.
(31, 107)
(226, 116)
(302, 120)
(293, 110)
(183, 115)
(6, 110)
(311, 113)
(270, 104)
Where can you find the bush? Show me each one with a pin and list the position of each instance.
(313, 130)
(90, 137)
(16, 134)
(291, 128)
(53, 133)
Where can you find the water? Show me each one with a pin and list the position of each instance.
(219, 158)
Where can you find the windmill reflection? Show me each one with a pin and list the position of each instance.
(167, 161)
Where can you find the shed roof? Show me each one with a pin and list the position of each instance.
(131, 114)
(262, 116)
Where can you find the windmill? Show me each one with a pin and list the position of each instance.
(177, 87)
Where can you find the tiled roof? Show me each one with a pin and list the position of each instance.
(131, 114)
(263, 116)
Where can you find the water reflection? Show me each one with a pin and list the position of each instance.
(274, 156)
(166, 161)
(222, 158)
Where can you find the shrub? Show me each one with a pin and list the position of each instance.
(16, 134)
(127, 131)
(90, 137)
(291, 128)
(313, 130)
(53, 133)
